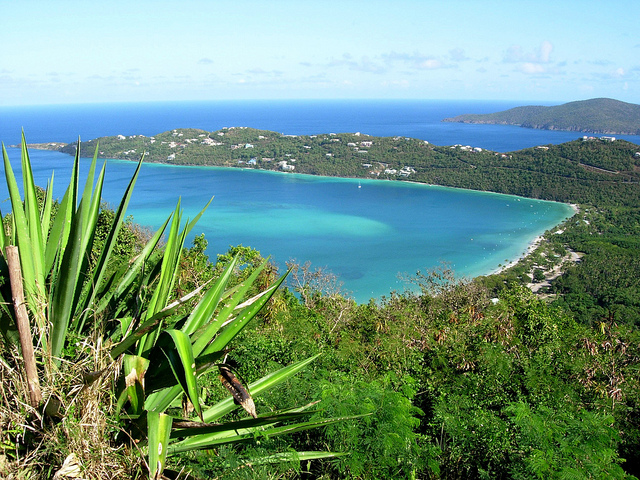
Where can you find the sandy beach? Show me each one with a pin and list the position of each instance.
(533, 245)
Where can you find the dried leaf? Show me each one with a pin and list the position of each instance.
(70, 468)
(131, 379)
(240, 394)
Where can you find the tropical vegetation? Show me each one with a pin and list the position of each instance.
(452, 379)
(104, 336)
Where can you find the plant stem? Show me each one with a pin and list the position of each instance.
(22, 320)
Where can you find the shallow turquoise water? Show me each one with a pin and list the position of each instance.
(367, 236)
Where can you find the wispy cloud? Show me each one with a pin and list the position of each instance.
(364, 64)
(601, 63)
(516, 54)
(267, 73)
(205, 61)
(416, 60)
(396, 83)
(618, 73)
(458, 55)
(534, 62)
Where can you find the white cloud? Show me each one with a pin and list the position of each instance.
(396, 83)
(516, 54)
(532, 68)
(430, 64)
(545, 51)
(365, 64)
(535, 62)
(416, 60)
(619, 72)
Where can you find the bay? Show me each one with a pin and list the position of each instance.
(366, 236)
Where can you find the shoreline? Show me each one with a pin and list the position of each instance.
(532, 246)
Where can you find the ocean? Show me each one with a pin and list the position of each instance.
(372, 234)
(410, 118)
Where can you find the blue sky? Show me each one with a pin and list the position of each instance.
(56, 52)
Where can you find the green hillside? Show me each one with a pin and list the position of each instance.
(598, 115)
(590, 171)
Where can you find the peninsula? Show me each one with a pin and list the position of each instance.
(574, 172)
(598, 115)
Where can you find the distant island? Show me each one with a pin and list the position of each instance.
(598, 115)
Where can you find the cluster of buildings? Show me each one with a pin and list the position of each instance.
(587, 138)
(467, 148)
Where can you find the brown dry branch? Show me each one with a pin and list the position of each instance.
(24, 329)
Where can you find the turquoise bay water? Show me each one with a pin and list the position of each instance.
(366, 236)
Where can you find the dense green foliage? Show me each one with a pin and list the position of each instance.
(598, 115)
(453, 385)
(457, 386)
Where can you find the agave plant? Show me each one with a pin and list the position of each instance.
(162, 348)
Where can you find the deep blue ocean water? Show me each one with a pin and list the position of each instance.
(367, 236)
(411, 118)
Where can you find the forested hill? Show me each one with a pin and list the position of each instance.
(592, 171)
(598, 115)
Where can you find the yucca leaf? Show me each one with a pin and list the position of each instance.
(134, 369)
(32, 213)
(144, 329)
(161, 400)
(109, 244)
(235, 387)
(88, 189)
(192, 223)
(239, 435)
(167, 391)
(34, 293)
(194, 429)
(92, 197)
(4, 241)
(57, 241)
(229, 332)
(185, 369)
(168, 271)
(60, 231)
(90, 209)
(209, 302)
(265, 383)
(203, 338)
(128, 274)
(64, 288)
(159, 428)
(161, 380)
(171, 259)
(45, 216)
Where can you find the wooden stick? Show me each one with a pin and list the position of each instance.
(22, 321)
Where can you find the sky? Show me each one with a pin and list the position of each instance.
(68, 52)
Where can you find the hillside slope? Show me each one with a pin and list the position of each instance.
(598, 115)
